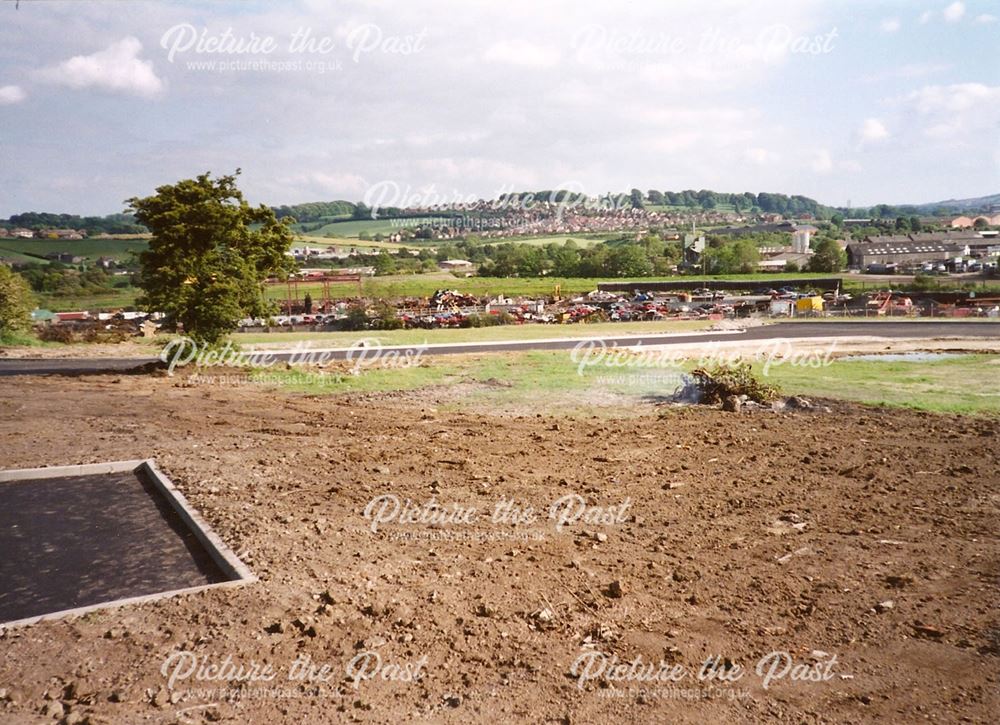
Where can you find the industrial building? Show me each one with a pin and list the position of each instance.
(862, 255)
(909, 251)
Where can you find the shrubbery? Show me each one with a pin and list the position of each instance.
(723, 381)
(16, 302)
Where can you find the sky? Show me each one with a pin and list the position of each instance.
(422, 102)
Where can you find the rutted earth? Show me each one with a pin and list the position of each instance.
(864, 535)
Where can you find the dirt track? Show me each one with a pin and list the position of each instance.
(864, 534)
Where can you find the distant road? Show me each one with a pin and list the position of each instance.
(913, 330)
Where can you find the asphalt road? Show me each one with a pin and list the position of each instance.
(912, 330)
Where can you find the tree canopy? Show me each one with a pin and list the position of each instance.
(209, 255)
(828, 257)
(15, 302)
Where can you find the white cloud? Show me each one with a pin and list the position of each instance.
(599, 119)
(961, 114)
(117, 68)
(954, 12)
(925, 17)
(890, 25)
(822, 162)
(321, 184)
(956, 99)
(908, 70)
(873, 130)
(10, 95)
(760, 156)
(986, 19)
(522, 53)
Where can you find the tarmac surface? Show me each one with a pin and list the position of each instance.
(783, 330)
(77, 541)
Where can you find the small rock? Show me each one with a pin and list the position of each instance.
(884, 606)
(544, 615)
(732, 404)
(75, 718)
(799, 403)
(928, 631)
(54, 709)
(615, 589)
(452, 700)
(75, 690)
(601, 536)
(161, 698)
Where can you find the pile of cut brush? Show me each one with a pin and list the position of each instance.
(724, 382)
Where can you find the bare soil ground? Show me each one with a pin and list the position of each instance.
(868, 535)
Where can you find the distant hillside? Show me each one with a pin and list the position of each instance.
(92, 225)
(703, 200)
(316, 211)
(976, 204)
(319, 215)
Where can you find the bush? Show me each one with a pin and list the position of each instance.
(387, 323)
(385, 317)
(96, 333)
(597, 315)
(356, 319)
(501, 318)
(16, 302)
(723, 381)
(56, 333)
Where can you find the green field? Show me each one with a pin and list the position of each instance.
(394, 286)
(543, 380)
(582, 240)
(967, 384)
(36, 249)
(414, 285)
(19, 257)
(424, 285)
(314, 241)
(471, 334)
(690, 209)
(113, 300)
(355, 226)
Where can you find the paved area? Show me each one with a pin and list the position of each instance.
(82, 540)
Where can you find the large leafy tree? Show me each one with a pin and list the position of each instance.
(15, 302)
(628, 261)
(210, 254)
(828, 257)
